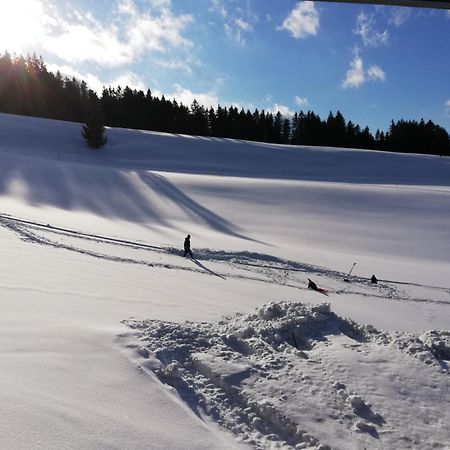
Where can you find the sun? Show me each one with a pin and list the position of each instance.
(22, 25)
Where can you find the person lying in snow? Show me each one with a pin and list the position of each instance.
(313, 286)
(187, 246)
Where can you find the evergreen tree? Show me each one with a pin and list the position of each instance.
(286, 132)
(351, 138)
(294, 137)
(256, 127)
(336, 130)
(94, 132)
(198, 120)
(366, 139)
(277, 129)
(251, 126)
(270, 129)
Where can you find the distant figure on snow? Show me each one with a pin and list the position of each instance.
(312, 285)
(374, 279)
(187, 246)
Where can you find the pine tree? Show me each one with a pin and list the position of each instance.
(198, 120)
(94, 135)
(286, 132)
(277, 128)
(94, 130)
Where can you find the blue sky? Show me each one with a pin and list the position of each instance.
(373, 63)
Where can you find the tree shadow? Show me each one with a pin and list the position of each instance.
(164, 187)
(106, 191)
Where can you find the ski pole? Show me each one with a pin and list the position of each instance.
(351, 270)
(346, 279)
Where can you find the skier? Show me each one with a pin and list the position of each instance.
(312, 285)
(187, 246)
(374, 279)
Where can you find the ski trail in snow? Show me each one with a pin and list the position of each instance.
(243, 265)
(75, 233)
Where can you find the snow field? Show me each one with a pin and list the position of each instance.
(90, 241)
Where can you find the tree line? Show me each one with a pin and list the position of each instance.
(27, 87)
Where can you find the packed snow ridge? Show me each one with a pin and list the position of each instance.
(292, 375)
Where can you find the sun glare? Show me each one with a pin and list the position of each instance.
(22, 24)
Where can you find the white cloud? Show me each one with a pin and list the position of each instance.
(92, 81)
(87, 42)
(160, 3)
(79, 37)
(234, 31)
(220, 81)
(376, 73)
(129, 6)
(175, 64)
(356, 75)
(126, 7)
(130, 79)
(399, 16)
(365, 27)
(186, 96)
(236, 28)
(243, 25)
(447, 108)
(302, 102)
(236, 21)
(156, 32)
(302, 21)
(24, 22)
(217, 6)
(284, 110)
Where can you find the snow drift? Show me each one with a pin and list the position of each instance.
(295, 375)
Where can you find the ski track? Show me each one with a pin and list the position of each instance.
(260, 375)
(252, 266)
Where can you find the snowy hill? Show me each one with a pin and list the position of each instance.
(95, 349)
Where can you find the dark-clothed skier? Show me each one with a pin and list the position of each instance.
(187, 246)
(312, 285)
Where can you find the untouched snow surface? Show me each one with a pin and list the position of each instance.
(109, 339)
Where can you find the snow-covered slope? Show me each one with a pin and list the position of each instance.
(92, 274)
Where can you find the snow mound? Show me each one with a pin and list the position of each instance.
(292, 375)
